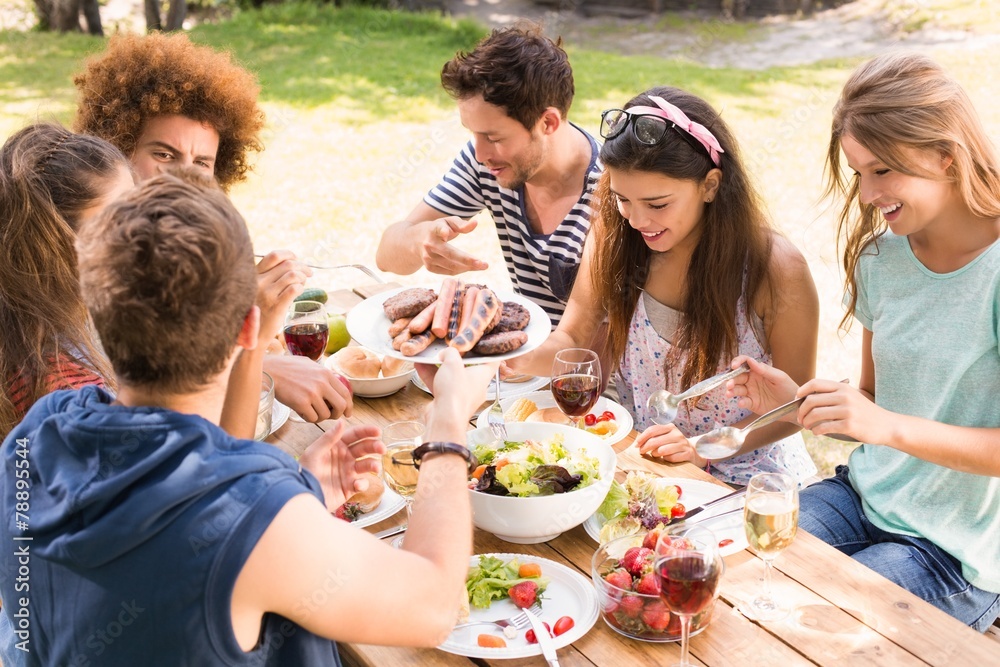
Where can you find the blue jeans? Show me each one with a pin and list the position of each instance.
(831, 510)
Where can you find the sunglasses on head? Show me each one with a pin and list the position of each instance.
(646, 128)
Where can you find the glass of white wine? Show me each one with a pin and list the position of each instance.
(398, 469)
(771, 517)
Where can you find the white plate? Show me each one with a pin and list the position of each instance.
(694, 493)
(507, 389)
(544, 399)
(569, 593)
(391, 503)
(279, 415)
(369, 326)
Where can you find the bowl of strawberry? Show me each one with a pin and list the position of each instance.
(628, 590)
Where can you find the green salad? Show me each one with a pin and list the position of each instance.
(533, 468)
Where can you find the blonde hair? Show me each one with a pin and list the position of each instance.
(893, 102)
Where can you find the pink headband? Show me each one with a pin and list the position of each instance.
(702, 134)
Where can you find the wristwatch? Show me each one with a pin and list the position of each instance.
(445, 448)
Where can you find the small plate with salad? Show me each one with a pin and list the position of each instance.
(643, 501)
(563, 593)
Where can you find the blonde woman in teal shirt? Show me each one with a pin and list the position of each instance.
(920, 500)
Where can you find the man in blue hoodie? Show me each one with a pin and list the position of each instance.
(137, 532)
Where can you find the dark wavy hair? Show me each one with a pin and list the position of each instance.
(48, 176)
(516, 68)
(733, 250)
(142, 76)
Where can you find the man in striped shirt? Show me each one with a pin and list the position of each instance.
(526, 163)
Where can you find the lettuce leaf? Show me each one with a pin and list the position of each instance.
(615, 505)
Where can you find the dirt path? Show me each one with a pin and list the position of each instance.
(857, 29)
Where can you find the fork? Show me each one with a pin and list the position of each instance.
(495, 419)
(517, 621)
(360, 267)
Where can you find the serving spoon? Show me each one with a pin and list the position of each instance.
(727, 440)
(664, 404)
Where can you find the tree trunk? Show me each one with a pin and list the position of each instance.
(43, 10)
(153, 15)
(175, 14)
(92, 12)
(65, 15)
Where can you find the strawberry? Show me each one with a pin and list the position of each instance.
(649, 584)
(619, 579)
(631, 605)
(656, 615)
(636, 559)
(348, 512)
(523, 594)
(652, 536)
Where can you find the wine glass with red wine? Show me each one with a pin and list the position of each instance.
(306, 329)
(576, 381)
(689, 565)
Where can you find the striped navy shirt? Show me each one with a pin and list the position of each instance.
(542, 267)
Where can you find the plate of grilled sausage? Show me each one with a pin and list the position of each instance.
(416, 323)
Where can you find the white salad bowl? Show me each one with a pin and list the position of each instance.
(542, 518)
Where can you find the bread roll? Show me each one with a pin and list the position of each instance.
(355, 362)
(392, 366)
(551, 415)
(369, 499)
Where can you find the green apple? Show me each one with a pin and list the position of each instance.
(339, 337)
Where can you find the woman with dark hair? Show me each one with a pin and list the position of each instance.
(683, 265)
(51, 181)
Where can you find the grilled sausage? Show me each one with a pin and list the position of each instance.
(408, 303)
(456, 315)
(484, 309)
(500, 343)
(439, 325)
(468, 303)
(422, 322)
(398, 341)
(418, 343)
(397, 327)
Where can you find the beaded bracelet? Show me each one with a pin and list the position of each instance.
(445, 448)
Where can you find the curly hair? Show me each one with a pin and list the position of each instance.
(516, 68)
(138, 77)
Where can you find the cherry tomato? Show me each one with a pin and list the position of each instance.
(530, 637)
(725, 543)
(590, 419)
(678, 510)
(564, 624)
(680, 491)
(606, 416)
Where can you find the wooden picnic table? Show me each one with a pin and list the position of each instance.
(843, 612)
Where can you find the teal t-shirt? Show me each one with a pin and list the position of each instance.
(936, 351)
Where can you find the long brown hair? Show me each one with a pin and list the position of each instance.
(48, 176)
(895, 101)
(731, 256)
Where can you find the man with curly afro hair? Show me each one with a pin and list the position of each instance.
(144, 93)
(165, 102)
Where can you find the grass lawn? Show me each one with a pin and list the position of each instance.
(359, 129)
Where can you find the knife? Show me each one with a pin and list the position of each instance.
(389, 532)
(545, 640)
(712, 503)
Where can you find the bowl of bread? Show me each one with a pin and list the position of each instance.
(371, 376)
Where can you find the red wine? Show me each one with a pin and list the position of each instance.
(576, 394)
(307, 340)
(688, 583)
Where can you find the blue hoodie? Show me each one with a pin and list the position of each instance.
(124, 537)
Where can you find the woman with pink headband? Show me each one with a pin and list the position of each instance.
(681, 273)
